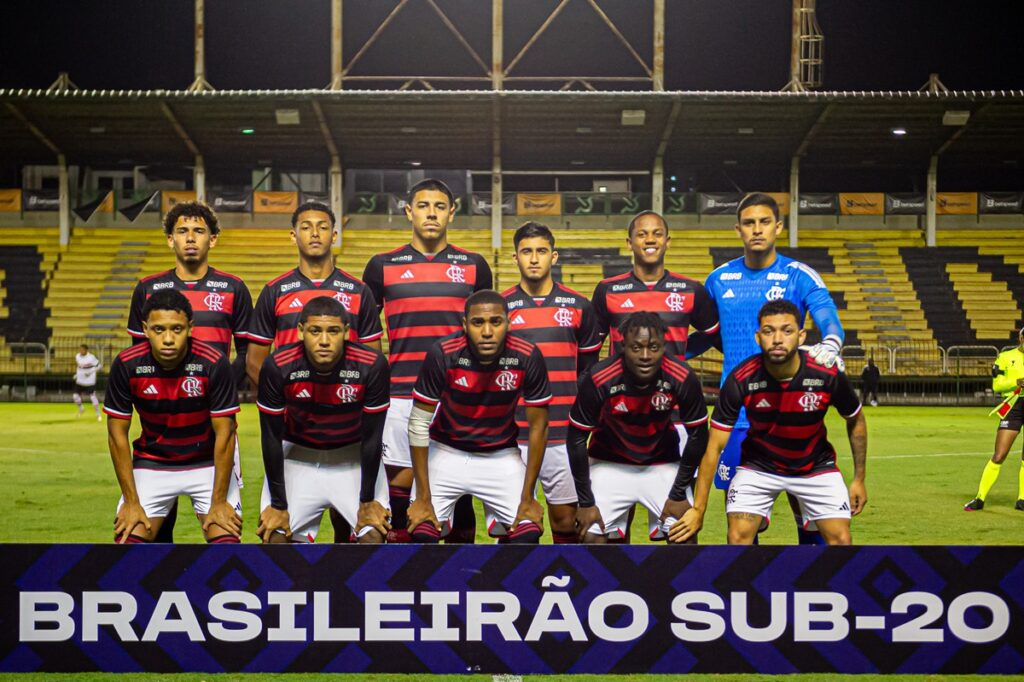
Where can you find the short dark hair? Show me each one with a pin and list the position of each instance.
(531, 229)
(191, 209)
(779, 307)
(758, 199)
(167, 299)
(313, 206)
(326, 306)
(430, 184)
(641, 214)
(643, 320)
(85, 346)
(483, 297)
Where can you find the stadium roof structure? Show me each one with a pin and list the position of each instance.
(534, 130)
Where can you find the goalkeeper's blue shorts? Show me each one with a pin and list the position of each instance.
(730, 458)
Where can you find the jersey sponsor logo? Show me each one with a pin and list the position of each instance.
(810, 402)
(763, 404)
(301, 374)
(214, 302)
(506, 381)
(628, 303)
(163, 285)
(456, 274)
(216, 284)
(458, 256)
(402, 259)
(344, 299)
(151, 390)
(621, 407)
(775, 293)
(508, 362)
(564, 317)
(347, 393)
(621, 287)
(515, 304)
(726, 276)
(518, 319)
(408, 275)
(345, 285)
(675, 285)
(304, 393)
(813, 382)
(192, 387)
(289, 286)
(756, 385)
(675, 302)
(777, 277)
(464, 362)
(661, 401)
(461, 381)
(348, 374)
(296, 303)
(569, 300)
(145, 369)
(193, 367)
(729, 294)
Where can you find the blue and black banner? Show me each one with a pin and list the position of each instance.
(509, 609)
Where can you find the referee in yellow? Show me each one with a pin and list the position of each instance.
(1008, 381)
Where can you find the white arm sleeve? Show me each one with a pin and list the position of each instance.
(419, 427)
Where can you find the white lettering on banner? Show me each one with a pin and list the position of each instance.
(614, 616)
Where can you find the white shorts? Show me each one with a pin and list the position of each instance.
(821, 496)
(555, 475)
(396, 433)
(494, 478)
(316, 480)
(619, 487)
(158, 489)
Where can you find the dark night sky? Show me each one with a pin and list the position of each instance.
(710, 44)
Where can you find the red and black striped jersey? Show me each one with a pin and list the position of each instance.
(324, 410)
(562, 326)
(221, 307)
(478, 402)
(174, 405)
(280, 304)
(680, 301)
(632, 425)
(787, 433)
(423, 298)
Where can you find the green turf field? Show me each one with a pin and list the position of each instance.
(57, 483)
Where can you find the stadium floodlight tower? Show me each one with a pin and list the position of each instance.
(806, 58)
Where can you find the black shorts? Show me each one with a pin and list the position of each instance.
(79, 388)
(1014, 419)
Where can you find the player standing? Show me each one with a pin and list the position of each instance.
(87, 365)
(786, 394)
(625, 407)
(740, 287)
(185, 396)
(279, 306)
(221, 303)
(561, 323)
(1008, 381)
(422, 288)
(322, 405)
(474, 379)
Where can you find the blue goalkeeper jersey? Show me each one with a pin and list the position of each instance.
(739, 293)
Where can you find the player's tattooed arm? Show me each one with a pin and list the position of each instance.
(222, 517)
(857, 431)
(131, 515)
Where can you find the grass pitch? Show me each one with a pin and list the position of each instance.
(57, 483)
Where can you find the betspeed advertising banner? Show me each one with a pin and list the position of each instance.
(508, 609)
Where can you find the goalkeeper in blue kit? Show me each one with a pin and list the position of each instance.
(739, 288)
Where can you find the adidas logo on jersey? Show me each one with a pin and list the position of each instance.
(151, 390)
(621, 407)
(518, 320)
(729, 294)
(628, 303)
(461, 381)
(764, 403)
(408, 275)
(296, 303)
(304, 393)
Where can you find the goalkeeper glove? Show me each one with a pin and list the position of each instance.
(827, 352)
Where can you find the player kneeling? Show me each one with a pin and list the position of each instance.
(625, 408)
(186, 398)
(786, 394)
(322, 406)
(475, 378)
